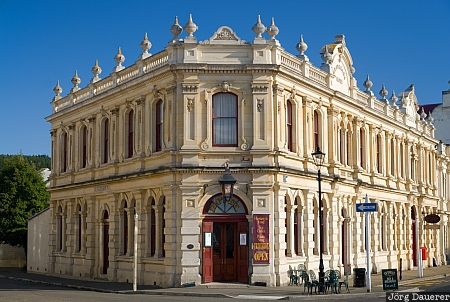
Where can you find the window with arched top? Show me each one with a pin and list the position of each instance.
(392, 157)
(105, 140)
(152, 228)
(402, 161)
(316, 130)
(218, 205)
(79, 225)
(83, 151)
(362, 146)
(289, 126)
(342, 158)
(125, 229)
(159, 123)
(349, 148)
(378, 153)
(224, 119)
(59, 229)
(130, 133)
(64, 151)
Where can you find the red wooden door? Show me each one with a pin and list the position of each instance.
(207, 252)
(243, 252)
(224, 241)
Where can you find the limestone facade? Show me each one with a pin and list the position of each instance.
(152, 139)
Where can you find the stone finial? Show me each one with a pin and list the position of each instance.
(383, 93)
(340, 39)
(57, 90)
(145, 45)
(394, 99)
(430, 119)
(368, 84)
(423, 115)
(326, 56)
(96, 71)
(190, 28)
(272, 30)
(302, 47)
(119, 58)
(176, 29)
(259, 28)
(75, 81)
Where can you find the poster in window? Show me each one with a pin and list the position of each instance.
(207, 239)
(260, 244)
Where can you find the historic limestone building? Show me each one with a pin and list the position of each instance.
(154, 138)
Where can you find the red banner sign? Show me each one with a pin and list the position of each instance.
(260, 239)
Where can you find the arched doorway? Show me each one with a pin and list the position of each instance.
(414, 235)
(105, 235)
(225, 240)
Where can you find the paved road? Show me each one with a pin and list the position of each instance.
(18, 290)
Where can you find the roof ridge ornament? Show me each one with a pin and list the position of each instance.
(383, 93)
(75, 81)
(190, 28)
(259, 28)
(272, 30)
(119, 58)
(145, 45)
(96, 70)
(302, 47)
(423, 115)
(57, 90)
(176, 30)
(368, 85)
(394, 100)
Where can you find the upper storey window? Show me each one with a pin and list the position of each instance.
(316, 130)
(105, 141)
(224, 122)
(64, 152)
(84, 136)
(130, 133)
(289, 138)
(159, 125)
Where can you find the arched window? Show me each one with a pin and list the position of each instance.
(64, 151)
(349, 147)
(159, 123)
(342, 146)
(152, 228)
(392, 157)
(289, 126)
(298, 228)
(378, 153)
(105, 141)
(60, 229)
(402, 162)
(316, 228)
(163, 227)
(383, 229)
(79, 223)
(413, 165)
(130, 134)
(224, 119)
(362, 145)
(83, 150)
(316, 130)
(125, 228)
(430, 170)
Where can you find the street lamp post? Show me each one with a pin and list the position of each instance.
(318, 157)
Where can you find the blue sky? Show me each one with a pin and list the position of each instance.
(396, 42)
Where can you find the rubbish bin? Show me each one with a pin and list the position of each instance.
(424, 253)
(359, 278)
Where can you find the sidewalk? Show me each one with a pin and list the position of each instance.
(409, 281)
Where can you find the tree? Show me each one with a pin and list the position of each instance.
(22, 194)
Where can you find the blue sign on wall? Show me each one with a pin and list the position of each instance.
(366, 207)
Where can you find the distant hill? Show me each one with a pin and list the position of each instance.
(39, 161)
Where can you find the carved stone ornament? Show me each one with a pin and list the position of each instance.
(244, 146)
(260, 105)
(204, 145)
(190, 88)
(190, 104)
(224, 35)
(225, 86)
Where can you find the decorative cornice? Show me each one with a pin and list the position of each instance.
(190, 88)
